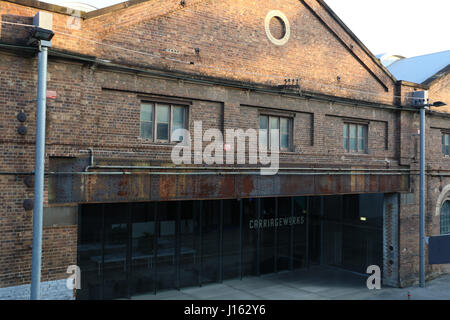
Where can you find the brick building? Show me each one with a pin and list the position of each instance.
(126, 76)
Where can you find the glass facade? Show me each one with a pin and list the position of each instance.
(136, 248)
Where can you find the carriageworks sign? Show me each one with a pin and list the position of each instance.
(275, 222)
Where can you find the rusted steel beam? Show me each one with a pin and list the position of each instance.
(128, 188)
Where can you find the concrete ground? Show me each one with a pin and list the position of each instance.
(318, 283)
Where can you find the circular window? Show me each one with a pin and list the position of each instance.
(277, 26)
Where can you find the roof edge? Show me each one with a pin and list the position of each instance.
(112, 8)
(413, 84)
(47, 7)
(355, 38)
(441, 73)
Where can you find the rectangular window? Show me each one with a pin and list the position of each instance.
(147, 121)
(162, 122)
(445, 143)
(273, 128)
(159, 121)
(355, 137)
(263, 130)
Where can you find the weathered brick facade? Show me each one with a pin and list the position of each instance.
(126, 54)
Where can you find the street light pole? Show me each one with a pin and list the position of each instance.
(39, 173)
(42, 38)
(422, 197)
(422, 190)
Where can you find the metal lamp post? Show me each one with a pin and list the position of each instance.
(422, 188)
(40, 37)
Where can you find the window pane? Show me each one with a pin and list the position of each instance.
(147, 112)
(177, 122)
(446, 143)
(163, 112)
(263, 122)
(263, 130)
(274, 123)
(361, 138)
(162, 131)
(274, 131)
(162, 122)
(443, 143)
(445, 218)
(346, 137)
(147, 130)
(352, 137)
(263, 137)
(284, 130)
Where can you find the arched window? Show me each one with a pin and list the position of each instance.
(445, 217)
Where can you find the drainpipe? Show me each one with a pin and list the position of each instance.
(91, 160)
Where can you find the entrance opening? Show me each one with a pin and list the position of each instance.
(136, 248)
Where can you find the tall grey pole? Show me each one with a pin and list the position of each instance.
(39, 174)
(422, 197)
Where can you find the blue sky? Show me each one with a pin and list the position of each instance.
(405, 27)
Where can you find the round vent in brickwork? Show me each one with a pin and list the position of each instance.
(278, 29)
(29, 181)
(22, 130)
(22, 117)
(28, 204)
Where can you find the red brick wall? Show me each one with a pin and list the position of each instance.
(232, 41)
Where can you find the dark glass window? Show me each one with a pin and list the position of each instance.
(283, 234)
(445, 144)
(210, 241)
(250, 237)
(143, 231)
(231, 237)
(90, 252)
(299, 216)
(445, 218)
(166, 245)
(189, 243)
(267, 245)
(115, 266)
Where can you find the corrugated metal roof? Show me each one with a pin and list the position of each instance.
(419, 69)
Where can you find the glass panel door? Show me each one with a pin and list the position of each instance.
(267, 245)
(250, 237)
(166, 253)
(114, 262)
(189, 244)
(283, 234)
(90, 252)
(299, 221)
(142, 278)
(231, 245)
(210, 241)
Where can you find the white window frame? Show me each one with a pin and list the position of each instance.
(347, 146)
(268, 134)
(155, 122)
